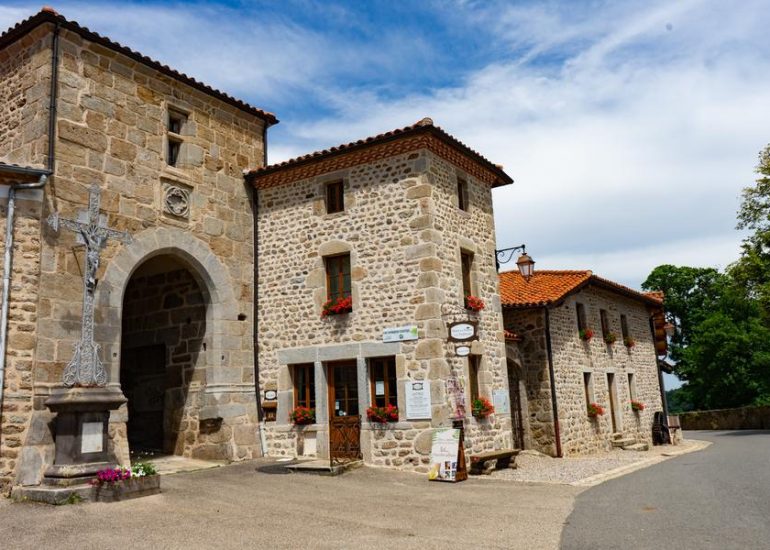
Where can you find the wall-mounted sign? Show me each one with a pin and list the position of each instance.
(271, 395)
(91, 438)
(463, 331)
(418, 400)
(462, 351)
(399, 334)
(501, 401)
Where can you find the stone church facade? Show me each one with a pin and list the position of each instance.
(167, 154)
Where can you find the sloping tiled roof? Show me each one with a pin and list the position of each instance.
(48, 15)
(423, 134)
(546, 288)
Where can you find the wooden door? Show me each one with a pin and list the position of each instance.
(613, 400)
(344, 414)
(517, 422)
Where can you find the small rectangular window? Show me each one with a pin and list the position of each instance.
(175, 124)
(588, 387)
(467, 264)
(581, 316)
(176, 121)
(473, 376)
(605, 324)
(335, 197)
(462, 194)
(383, 375)
(631, 386)
(174, 147)
(304, 385)
(338, 277)
(624, 326)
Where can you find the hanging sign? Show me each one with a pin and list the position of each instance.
(447, 458)
(418, 400)
(463, 331)
(462, 351)
(399, 334)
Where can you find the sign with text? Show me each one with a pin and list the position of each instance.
(501, 401)
(456, 395)
(463, 331)
(418, 400)
(462, 351)
(399, 334)
(447, 459)
(91, 437)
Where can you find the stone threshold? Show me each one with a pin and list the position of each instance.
(322, 467)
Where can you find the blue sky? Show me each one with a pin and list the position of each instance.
(629, 127)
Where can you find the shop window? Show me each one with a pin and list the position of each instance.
(338, 277)
(462, 194)
(466, 259)
(581, 316)
(304, 385)
(473, 376)
(335, 197)
(383, 379)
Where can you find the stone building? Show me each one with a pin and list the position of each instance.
(174, 309)
(574, 339)
(402, 224)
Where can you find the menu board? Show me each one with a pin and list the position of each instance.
(418, 400)
(444, 452)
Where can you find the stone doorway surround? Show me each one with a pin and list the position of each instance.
(227, 403)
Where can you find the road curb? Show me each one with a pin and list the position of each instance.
(596, 479)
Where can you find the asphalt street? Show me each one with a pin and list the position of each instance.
(715, 498)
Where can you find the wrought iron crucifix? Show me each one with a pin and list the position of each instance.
(86, 368)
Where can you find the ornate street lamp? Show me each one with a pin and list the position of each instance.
(525, 262)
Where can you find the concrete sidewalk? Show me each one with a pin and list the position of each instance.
(251, 505)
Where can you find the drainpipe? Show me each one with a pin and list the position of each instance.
(8, 259)
(549, 351)
(54, 94)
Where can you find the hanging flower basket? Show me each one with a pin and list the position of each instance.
(337, 306)
(388, 413)
(610, 338)
(586, 334)
(629, 342)
(303, 415)
(594, 410)
(482, 407)
(637, 406)
(474, 303)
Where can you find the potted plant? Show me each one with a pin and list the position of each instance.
(594, 410)
(388, 413)
(586, 334)
(637, 406)
(337, 306)
(302, 415)
(629, 342)
(113, 484)
(610, 338)
(474, 303)
(482, 407)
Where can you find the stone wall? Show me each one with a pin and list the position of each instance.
(572, 357)
(111, 131)
(404, 232)
(742, 418)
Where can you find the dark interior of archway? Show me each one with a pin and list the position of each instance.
(164, 322)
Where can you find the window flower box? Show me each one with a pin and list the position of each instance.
(482, 408)
(302, 415)
(382, 415)
(595, 410)
(610, 338)
(637, 406)
(474, 303)
(337, 306)
(629, 342)
(586, 334)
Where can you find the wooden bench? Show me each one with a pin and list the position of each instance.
(484, 463)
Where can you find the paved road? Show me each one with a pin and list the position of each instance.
(239, 507)
(715, 498)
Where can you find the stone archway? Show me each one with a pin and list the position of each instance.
(221, 313)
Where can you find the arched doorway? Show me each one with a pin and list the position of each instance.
(162, 345)
(515, 391)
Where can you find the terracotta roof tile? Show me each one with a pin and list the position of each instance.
(545, 288)
(265, 176)
(48, 15)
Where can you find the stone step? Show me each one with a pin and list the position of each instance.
(617, 435)
(637, 447)
(623, 442)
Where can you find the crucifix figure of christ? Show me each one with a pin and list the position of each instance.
(86, 368)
